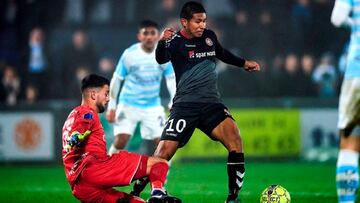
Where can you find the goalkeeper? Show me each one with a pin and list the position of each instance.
(91, 173)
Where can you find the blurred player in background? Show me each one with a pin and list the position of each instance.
(91, 173)
(139, 99)
(197, 104)
(347, 172)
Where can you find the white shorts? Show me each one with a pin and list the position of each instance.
(349, 104)
(152, 121)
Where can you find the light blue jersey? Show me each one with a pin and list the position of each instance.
(353, 62)
(142, 77)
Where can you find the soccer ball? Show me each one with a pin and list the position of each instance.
(275, 194)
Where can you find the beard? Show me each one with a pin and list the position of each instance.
(101, 107)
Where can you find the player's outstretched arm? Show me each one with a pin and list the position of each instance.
(162, 55)
(229, 58)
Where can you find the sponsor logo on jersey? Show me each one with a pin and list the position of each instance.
(199, 55)
(171, 134)
(88, 116)
(190, 45)
(191, 54)
(204, 54)
(209, 42)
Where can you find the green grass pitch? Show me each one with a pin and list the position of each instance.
(192, 182)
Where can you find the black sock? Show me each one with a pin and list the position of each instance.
(236, 172)
(139, 186)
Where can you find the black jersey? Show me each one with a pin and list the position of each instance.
(194, 62)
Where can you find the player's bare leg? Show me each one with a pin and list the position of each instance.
(351, 142)
(228, 134)
(119, 143)
(347, 172)
(166, 149)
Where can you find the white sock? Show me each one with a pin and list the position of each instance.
(348, 157)
(347, 175)
(113, 150)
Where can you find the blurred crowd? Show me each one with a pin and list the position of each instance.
(47, 47)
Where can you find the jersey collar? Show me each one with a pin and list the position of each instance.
(184, 34)
(88, 107)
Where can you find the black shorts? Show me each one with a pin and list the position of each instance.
(185, 117)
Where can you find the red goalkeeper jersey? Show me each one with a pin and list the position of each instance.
(82, 120)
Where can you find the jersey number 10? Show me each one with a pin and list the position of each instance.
(179, 126)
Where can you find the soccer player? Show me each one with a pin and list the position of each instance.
(90, 172)
(193, 51)
(347, 172)
(139, 100)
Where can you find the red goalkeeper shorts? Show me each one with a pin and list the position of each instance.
(98, 178)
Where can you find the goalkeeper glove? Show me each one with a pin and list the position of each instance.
(76, 138)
